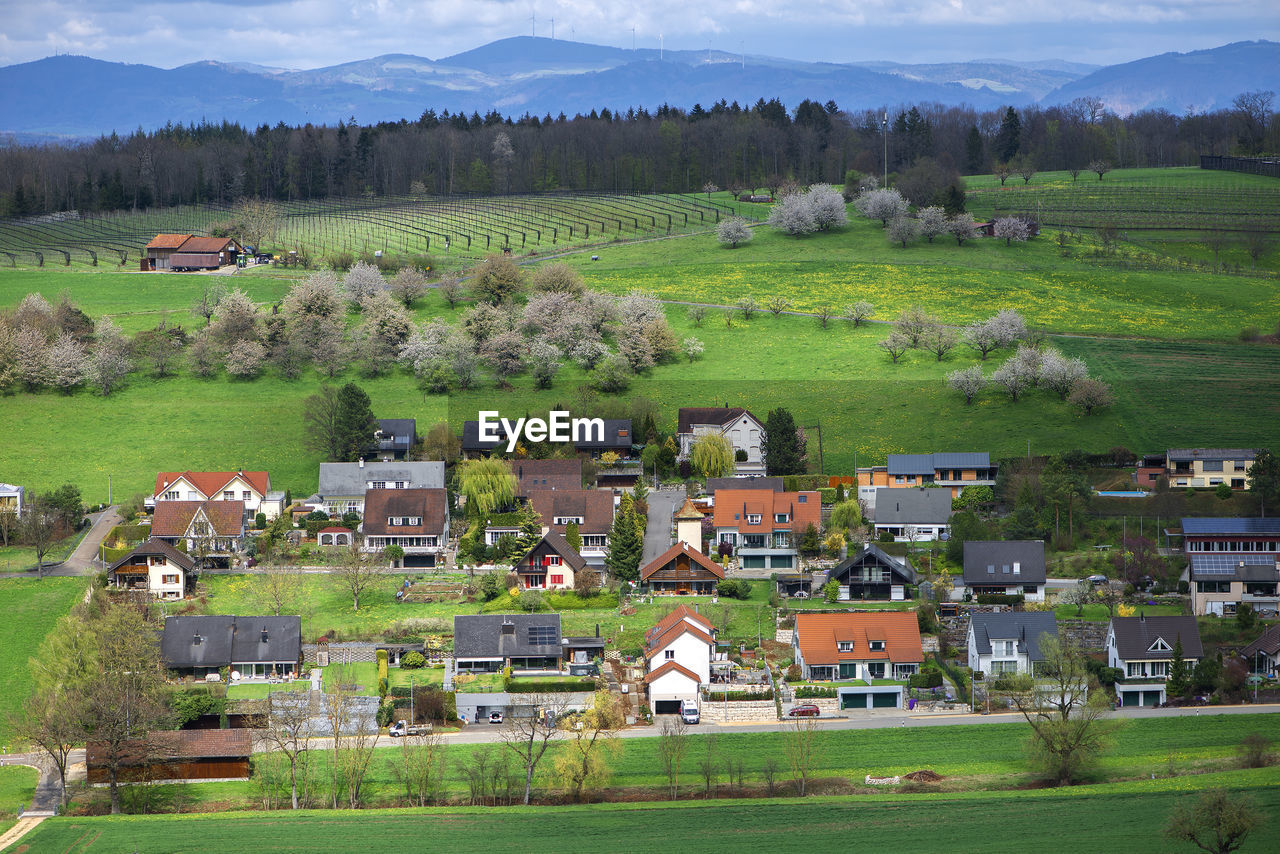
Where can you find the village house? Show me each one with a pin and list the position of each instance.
(187, 252)
(1209, 467)
(209, 531)
(952, 470)
(551, 564)
(872, 573)
(879, 650)
(488, 643)
(1008, 642)
(343, 485)
(681, 569)
(1263, 654)
(12, 498)
(549, 474)
(393, 440)
(1221, 582)
(154, 566)
(1231, 535)
(715, 484)
(416, 520)
(743, 430)
(678, 653)
(1142, 648)
(259, 647)
(251, 487)
(763, 527)
(912, 515)
(590, 509)
(1004, 567)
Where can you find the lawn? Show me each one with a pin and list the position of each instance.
(30, 609)
(22, 558)
(1098, 613)
(1124, 817)
(17, 788)
(260, 690)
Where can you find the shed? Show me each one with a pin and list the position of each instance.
(201, 754)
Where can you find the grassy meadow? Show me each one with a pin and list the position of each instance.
(30, 609)
(17, 788)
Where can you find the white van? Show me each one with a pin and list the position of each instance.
(689, 711)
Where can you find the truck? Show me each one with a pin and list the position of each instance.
(689, 711)
(400, 728)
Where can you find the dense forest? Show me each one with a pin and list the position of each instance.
(667, 150)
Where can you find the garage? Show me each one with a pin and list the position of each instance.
(890, 698)
(1139, 698)
(419, 561)
(666, 707)
(884, 701)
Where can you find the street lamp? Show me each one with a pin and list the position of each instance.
(884, 123)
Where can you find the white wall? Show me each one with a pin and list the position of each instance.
(690, 652)
(155, 580)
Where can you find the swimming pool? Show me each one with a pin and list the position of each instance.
(1112, 493)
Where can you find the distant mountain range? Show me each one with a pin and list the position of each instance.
(74, 96)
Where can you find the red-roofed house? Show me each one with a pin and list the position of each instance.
(763, 526)
(681, 569)
(209, 531)
(251, 487)
(880, 650)
(188, 252)
(678, 653)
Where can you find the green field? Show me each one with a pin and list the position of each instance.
(30, 609)
(17, 787)
(1127, 817)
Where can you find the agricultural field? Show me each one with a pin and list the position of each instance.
(30, 609)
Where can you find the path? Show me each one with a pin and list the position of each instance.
(84, 559)
(663, 504)
(48, 793)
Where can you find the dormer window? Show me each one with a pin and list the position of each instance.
(781, 517)
(877, 646)
(1160, 646)
(753, 518)
(844, 646)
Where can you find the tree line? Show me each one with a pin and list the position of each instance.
(669, 149)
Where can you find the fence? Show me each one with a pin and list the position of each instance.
(1269, 166)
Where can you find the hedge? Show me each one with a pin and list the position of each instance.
(799, 482)
(931, 679)
(828, 495)
(813, 692)
(1000, 599)
(738, 696)
(545, 686)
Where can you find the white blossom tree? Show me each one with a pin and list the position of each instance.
(733, 231)
(408, 285)
(901, 229)
(1012, 228)
(31, 357)
(1059, 373)
(962, 228)
(363, 280)
(319, 295)
(794, 215)
(1015, 377)
(692, 348)
(827, 205)
(245, 359)
(545, 360)
(67, 361)
(967, 381)
(882, 204)
(933, 221)
(1009, 327)
(109, 361)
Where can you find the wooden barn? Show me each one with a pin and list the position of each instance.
(205, 253)
(203, 754)
(161, 249)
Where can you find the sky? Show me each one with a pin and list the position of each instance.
(314, 33)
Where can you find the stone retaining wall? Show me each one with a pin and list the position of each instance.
(341, 653)
(785, 636)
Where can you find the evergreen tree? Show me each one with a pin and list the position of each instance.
(782, 455)
(530, 530)
(975, 160)
(625, 545)
(810, 541)
(572, 537)
(1264, 480)
(1179, 682)
(1009, 137)
(355, 422)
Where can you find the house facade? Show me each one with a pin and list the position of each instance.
(954, 471)
(878, 650)
(1142, 648)
(488, 643)
(1209, 467)
(254, 647)
(912, 515)
(1263, 654)
(154, 566)
(251, 487)
(1008, 642)
(393, 440)
(1221, 582)
(551, 564)
(678, 654)
(343, 485)
(590, 509)
(416, 520)
(1231, 535)
(871, 573)
(682, 570)
(12, 498)
(763, 527)
(211, 531)
(743, 430)
(204, 253)
(1004, 567)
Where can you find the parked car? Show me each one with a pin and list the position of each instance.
(804, 710)
(401, 728)
(495, 717)
(1098, 579)
(689, 711)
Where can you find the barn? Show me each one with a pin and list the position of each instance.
(203, 754)
(205, 253)
(161, 249)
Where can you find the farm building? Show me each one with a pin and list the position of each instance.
(202, 754)
(188, 252)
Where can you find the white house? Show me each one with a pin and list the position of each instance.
(251, 487)
(343, 485)
(1142, 648)
(743, 430)
(678, 653)
(1004, 567)
(12, 498)
(154, 566)
(913, 515)
(1008, 642)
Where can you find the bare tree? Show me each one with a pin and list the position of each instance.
(10, 525)
(801, 742)
(696, 314)
(823, 313)
(42, 526)
(1026, 170)
(357, 755)
(1217, 821)
(1090, 394)
(337, 713)
(420, 767)
(1001, 171)
(528, 737)
(211, 293)
(259, 221)
(895, 345)
(768, 773)
(358, 570)
(450, 290)
(673, 742)
(707, 764)
(50, 720)
(288, 732)
(777, 304)
(939, 340)
(967, 381)
(279, 588)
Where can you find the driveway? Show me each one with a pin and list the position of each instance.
(84, 560)
(663, 504)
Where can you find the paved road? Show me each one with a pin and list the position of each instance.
(663, 504)
(84, 560)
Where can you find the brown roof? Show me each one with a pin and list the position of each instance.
(209, 244)
(547, 474)
(667, 667)
(179, 745)
(552, 543)
(168, 241)
(379, 504)
(733, 505)
(156, 547)
(211, 483)
(678, 615)
(817, 635)
(173, 518)
(690, 415)
(662, 641)
(1267, 644)
(594, 506)
(695, 557)
(689, 511)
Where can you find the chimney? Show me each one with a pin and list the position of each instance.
(597, 630)
(362, 462)
(264, 634)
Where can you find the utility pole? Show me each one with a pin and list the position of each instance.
(885, 124)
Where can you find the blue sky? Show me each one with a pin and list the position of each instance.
(314, 33)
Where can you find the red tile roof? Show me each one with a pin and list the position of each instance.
(695, 558)
(666, 668)
(172, 518)
(168, 241)
(818, 634)
(676, 616)
(662, 641)
(733, 506)
(209, 244)
(211, 483)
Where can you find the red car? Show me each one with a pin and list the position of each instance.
(804, 710)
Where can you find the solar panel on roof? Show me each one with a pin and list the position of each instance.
(1226, 564)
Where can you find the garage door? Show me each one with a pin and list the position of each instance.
(884, 701)
(420, 560)
(753, 562)
(1150, 698)
(667, 707)
(1131, 698)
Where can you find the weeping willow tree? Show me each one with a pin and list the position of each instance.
(487, 485)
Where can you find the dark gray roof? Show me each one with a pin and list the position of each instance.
(1189, 454)
(353, 479)
(1231, 525)
(482, 635)
(617, 436)
(929, 463)
(1136, 635)
(553, 543)
(773, 483)
(991, 562)
(397, 434)
(1024, 626)
(871, 554)
(912, 506)
(157, 547)
(224, 640)
(1233, 567)
(1267, 644)
(471, 437)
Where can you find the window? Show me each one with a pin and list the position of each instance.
(876, 669)
(781, 517)
(669, 655)
(1002, 647)
(556, 579)
(171, 495)
(377, 484)
(229, 495)
(168, 579)
(246, 495)
(542, 635)
(1029, 589)
(415, 520)
(877, 646)
(899, 479)
(1241, 467)
(1160, 645)
(844, 646)
(1135, 669)
(803, 499)
(1159, 668)
(565, 520)
(1004, 667)
(593, 541)
(401, 484)
(753, 518)
(551, 560)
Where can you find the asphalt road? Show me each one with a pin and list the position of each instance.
(84, 560)
(663, 504)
